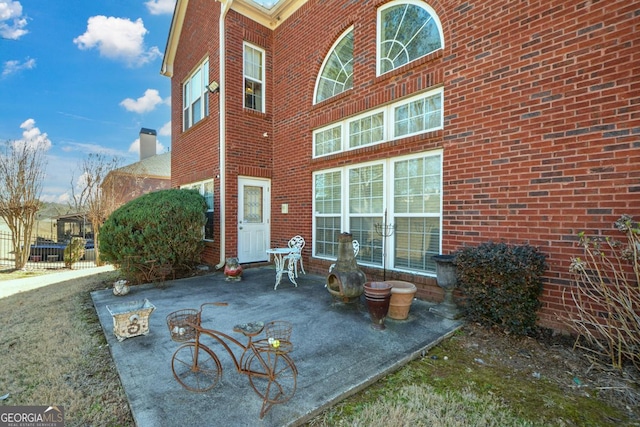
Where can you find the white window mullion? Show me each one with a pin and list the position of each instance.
(415, 115)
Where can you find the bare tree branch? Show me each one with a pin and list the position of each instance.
(22, 168)
(89, 197)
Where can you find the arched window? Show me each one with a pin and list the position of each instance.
(336, 74)
(406, 31)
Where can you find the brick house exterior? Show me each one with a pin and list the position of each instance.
(151, 173)
(540, 133)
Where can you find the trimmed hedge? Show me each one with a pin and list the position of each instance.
(163, 228)
(501, 285)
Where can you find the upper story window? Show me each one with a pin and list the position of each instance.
(337, 71)
(254, 78)
(407, 30)
(195, 102)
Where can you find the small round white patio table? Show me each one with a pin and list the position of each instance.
(279, 257)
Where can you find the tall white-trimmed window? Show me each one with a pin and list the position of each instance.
(366, 209)
(401, 195)
(407, 30)
(417, 204)
(195, 99)
(336, 73)
(410, 116)
(328, 210)
(254, 78)
(205, 188)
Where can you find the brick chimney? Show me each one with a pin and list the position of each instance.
(147, 143)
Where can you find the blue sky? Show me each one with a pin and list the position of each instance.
(83, 76)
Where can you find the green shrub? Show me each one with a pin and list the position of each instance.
(501, 285)
(162, 229)
(74, 251)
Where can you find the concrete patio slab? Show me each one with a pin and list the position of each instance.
(336, 350)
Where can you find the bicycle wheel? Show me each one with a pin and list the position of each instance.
(273, 376)
(196, 368)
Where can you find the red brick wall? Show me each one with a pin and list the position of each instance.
(542, 132)
(249, 151)
(542, 125)
(542, 119)
(195, 153)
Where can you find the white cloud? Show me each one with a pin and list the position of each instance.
(145, 103)
(165, 130)
(160, 7)
(135, 147)
(119, 39)
(63, 198)
(12, 22)
(14, 66)
(88, 148)
(33, 137)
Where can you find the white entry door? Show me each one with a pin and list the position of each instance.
(254, 219)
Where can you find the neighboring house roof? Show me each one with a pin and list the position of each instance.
(269, 13)
(158, 166)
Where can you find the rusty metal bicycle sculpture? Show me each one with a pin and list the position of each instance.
(266, 362)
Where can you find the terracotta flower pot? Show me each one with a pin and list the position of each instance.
(402, 294)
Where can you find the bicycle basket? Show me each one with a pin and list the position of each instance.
(278, 330)
(178, 323)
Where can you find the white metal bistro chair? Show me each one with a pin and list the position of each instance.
(297, 243)
(356, 249)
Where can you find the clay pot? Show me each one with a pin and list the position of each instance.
(402, 294)
(377, 296)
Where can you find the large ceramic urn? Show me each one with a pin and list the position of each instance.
(346, 281)
(446, 277)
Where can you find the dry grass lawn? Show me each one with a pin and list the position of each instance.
(54, 353)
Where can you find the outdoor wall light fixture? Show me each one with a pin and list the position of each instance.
(213, 87)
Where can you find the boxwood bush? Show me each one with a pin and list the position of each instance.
(161, 230)
(501, 285)
(74, 251)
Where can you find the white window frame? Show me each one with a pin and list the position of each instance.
(346, 215)
(327, 244)
(199, 77)
(201, 187)
(329, 56)
(319, 148)
(420, 4)
(248, 78)
(360, 118)
(388, 124)
(414, 99)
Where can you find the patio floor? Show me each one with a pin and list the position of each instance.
(336, 351)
